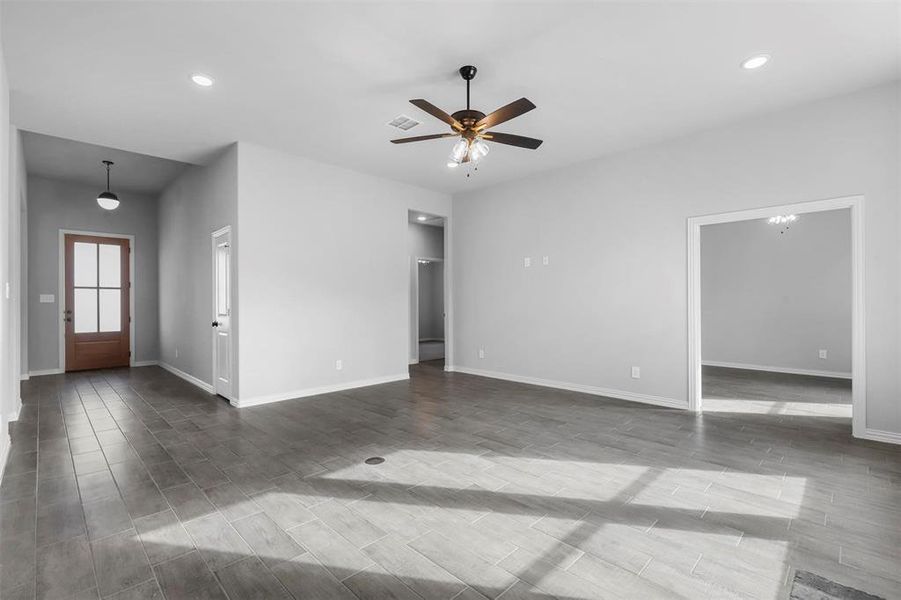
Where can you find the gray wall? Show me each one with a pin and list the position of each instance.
(196, 204)
(324, 263)
(55, 205)
(615, 291)
(426, 241)
(774, 297)
(431, 301)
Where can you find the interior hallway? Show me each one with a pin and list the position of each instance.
(132, 480)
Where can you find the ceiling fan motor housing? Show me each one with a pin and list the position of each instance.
(468, 118)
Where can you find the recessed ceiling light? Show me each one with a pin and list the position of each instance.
(755, 62)
(421, 218)
(202, 80)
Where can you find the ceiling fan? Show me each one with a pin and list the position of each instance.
(472, 126)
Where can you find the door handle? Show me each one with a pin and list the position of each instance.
(215, 323)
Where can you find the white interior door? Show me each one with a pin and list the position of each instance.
(222, 339)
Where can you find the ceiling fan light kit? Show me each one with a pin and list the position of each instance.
(472, 126)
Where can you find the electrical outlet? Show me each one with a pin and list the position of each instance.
(824, 354)
(527, 261)
(339, 364)
(545, 260)
(481, 353)
(636, 373)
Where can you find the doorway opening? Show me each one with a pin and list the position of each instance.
(428, 290)
(222, 312)
(95, 281)
(776, 312)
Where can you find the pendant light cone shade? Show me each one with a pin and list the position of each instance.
(108, 200)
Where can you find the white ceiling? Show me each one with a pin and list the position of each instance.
(69, 160)
(321, 79)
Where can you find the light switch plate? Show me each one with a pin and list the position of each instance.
(636, 373)
(545, 260)
(824, 354)
(527, 262)
(339, 364)
(47, 299)
(481, 353)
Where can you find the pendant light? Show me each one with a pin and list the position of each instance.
(107, 199)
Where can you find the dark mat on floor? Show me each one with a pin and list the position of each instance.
(808, 586)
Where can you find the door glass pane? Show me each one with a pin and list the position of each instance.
(222, 255)
(85, 258)
(110, 267)
(85, 310)
(110, 310)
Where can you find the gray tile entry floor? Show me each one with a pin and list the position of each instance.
(741, 390)
(133, 484)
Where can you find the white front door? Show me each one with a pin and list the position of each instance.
(222, 363)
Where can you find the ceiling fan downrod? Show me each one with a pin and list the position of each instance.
(468, 73)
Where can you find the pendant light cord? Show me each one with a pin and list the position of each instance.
(108, 164)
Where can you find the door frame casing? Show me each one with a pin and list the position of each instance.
(61, 297)
(232, 393)
(415, 305)
(858, 291)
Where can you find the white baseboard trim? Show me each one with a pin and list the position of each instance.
(325, 389)
(145, 363)
(413, 361)
(24, 377)
(41, 372)
(889, 437)
(790, 371)
(206, 387)
(576, 387)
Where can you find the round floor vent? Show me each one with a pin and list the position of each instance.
(374, 460)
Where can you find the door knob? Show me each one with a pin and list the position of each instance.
(215, 323)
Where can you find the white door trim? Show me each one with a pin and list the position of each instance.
(61, 295)
(231, 396)
(448, 295)
(858, 304)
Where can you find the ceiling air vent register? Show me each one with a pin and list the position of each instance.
(402, 122)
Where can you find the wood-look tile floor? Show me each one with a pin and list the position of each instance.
(133, 484)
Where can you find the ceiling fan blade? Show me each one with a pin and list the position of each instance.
(420, 138)
(436, 112)
(512, 140)
(505, 113)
